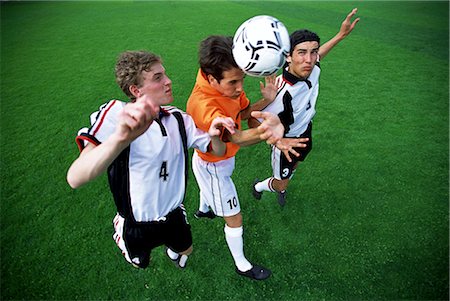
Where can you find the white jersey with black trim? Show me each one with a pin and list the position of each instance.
(295, 102)
(148, 179)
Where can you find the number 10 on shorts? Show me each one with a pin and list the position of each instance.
(232, 202)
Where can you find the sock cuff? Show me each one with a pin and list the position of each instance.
(233, 232)
(270, 184)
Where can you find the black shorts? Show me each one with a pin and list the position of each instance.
(282, 168)
(141, 238)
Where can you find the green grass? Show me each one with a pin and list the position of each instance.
(367, 213)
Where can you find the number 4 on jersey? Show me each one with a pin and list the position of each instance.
(163, 171)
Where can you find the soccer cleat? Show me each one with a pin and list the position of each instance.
(255, 273)
(256, 194)
(282, 198)
(200, 214)
(180, 261)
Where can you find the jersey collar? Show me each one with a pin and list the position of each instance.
(292, 79)
(163, 112)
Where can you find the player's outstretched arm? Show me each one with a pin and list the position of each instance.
(271, 129)
(287, 146)
(268, 91)
(218, 147)
(93, 161)
(134, 120)
(346, 28)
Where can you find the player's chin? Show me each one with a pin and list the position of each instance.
(167, 100)
(306, 73)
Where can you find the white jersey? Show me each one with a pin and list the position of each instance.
(295, 102)
(148, 179)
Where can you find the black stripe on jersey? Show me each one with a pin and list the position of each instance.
(308, 83)
(119, 183)
(182, 130)
(163, 129)
(281, 88)
(286, 116)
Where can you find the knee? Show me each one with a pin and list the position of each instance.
(280, 185)
(234, 221)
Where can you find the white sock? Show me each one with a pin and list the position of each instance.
(265, 185)
(235, 243)
(173, 255)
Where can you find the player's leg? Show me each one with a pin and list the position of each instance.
(280, 186)
(234, 238)
(226, 204)
(283, 170)
(178, 237)
(198, 167)
(214, 179)
(118, 223)
(128, 238)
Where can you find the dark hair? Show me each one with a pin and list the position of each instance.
(215, 56)
(129, 67)
(303, 35)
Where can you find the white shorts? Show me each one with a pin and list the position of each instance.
(216, 186)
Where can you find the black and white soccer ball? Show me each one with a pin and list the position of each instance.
(260, 45)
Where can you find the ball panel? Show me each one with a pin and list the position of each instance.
(260, 45)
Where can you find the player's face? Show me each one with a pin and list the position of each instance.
(303, 59)
(232, 83)
(157, 84)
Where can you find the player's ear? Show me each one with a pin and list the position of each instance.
(211, 79)
(288, 59)
(135, 91)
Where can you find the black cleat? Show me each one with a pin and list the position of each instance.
(199, 214)
(282, 198)
(255, 273)
(256, 194)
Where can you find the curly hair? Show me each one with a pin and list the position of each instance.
(129, 67)
(215, 56)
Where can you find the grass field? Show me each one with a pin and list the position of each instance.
(367, 216)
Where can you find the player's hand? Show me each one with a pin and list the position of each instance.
(271, 129)
(216, 126)
(347, 25)
(287, 145)
(136, 117)
(269, 91)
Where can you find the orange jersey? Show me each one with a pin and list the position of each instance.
(206, 103)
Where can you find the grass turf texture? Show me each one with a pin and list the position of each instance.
(367, 213)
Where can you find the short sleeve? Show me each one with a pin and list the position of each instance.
(103, 124)
(196, 138)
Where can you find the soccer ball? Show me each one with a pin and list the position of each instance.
(260, 46)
